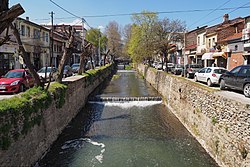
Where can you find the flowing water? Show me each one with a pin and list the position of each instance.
(126, 133)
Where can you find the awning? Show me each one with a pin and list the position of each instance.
(246, 54)
(218, 54)
(207, 56)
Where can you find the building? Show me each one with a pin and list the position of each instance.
(246, 40)
(36, 42)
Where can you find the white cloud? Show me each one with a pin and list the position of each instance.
(102, 28)
(75, 22)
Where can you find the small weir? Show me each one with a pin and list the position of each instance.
(126, 125)
(125, 99)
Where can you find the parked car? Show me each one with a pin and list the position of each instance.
(190, 69)
(67, 71)
(16, 81)
(89, 65)
(210, 75)
(160, 67)
(177, 69)
(169, 67)
(42, 73)
(75, 67)
(154, 64)
(238, 79)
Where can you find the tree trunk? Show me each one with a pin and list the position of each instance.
(4, 5)
(8, 16)
(82, 59)
(66, 53)
(26, 57)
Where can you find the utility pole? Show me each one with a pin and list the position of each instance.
(99, 49)
(83, 33)
(52, 38)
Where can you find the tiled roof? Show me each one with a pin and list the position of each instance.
(234, 36)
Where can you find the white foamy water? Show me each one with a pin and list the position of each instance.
(128, 104)
(78, 143)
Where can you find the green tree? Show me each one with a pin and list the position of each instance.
(93, 36)
(141, 45)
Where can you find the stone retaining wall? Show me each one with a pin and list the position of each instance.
(221, 125)
(28, 148)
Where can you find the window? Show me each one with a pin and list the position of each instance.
(208, 70)
(209, 43)
(47, 37)
(203, 70)
(36, 34)
(244, 71)
(213, 42)
(28, 31)
(199, 38)
(235, 47)
(235, 70)
(43, 36)
(22, 30)
(204, 39)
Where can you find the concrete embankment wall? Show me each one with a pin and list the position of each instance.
(221, 125)
(26, 149)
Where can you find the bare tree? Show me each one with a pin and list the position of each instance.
(85, 53)
(26, 57)
(70, 32)
(114, 38)
(167, 32)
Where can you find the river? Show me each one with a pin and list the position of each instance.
(126, 133)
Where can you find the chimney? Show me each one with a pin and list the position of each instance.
(225, 18)
(27, 18)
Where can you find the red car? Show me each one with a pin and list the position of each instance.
(16, 81)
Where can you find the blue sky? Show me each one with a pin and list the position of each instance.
(38, 10)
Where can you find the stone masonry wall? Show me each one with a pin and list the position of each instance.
(30, 147)
(221, 125)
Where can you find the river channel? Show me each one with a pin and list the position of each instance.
(126, 133)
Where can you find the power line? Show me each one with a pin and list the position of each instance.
(71, 13)
(210, 13)
(138, 13)
(243, 6)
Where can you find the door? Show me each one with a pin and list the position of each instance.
(241, 77)
(231, 77)
(201, 74)
(207, 74)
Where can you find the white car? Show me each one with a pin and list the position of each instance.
(210, 75)
(42, 73)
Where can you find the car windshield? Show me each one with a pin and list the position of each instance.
(220, 71)
(195, 66)
(14, 74)
(75, 65)
(42, 70)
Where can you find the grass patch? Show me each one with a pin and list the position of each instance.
(115, 77)
(128, 67)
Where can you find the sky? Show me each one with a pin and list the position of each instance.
(38, 10)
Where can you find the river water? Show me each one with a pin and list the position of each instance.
(128, 133)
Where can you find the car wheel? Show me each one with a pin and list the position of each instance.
(247, 90)
(222, 84)
(195, 78)
(209, 83)
(21, 88)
